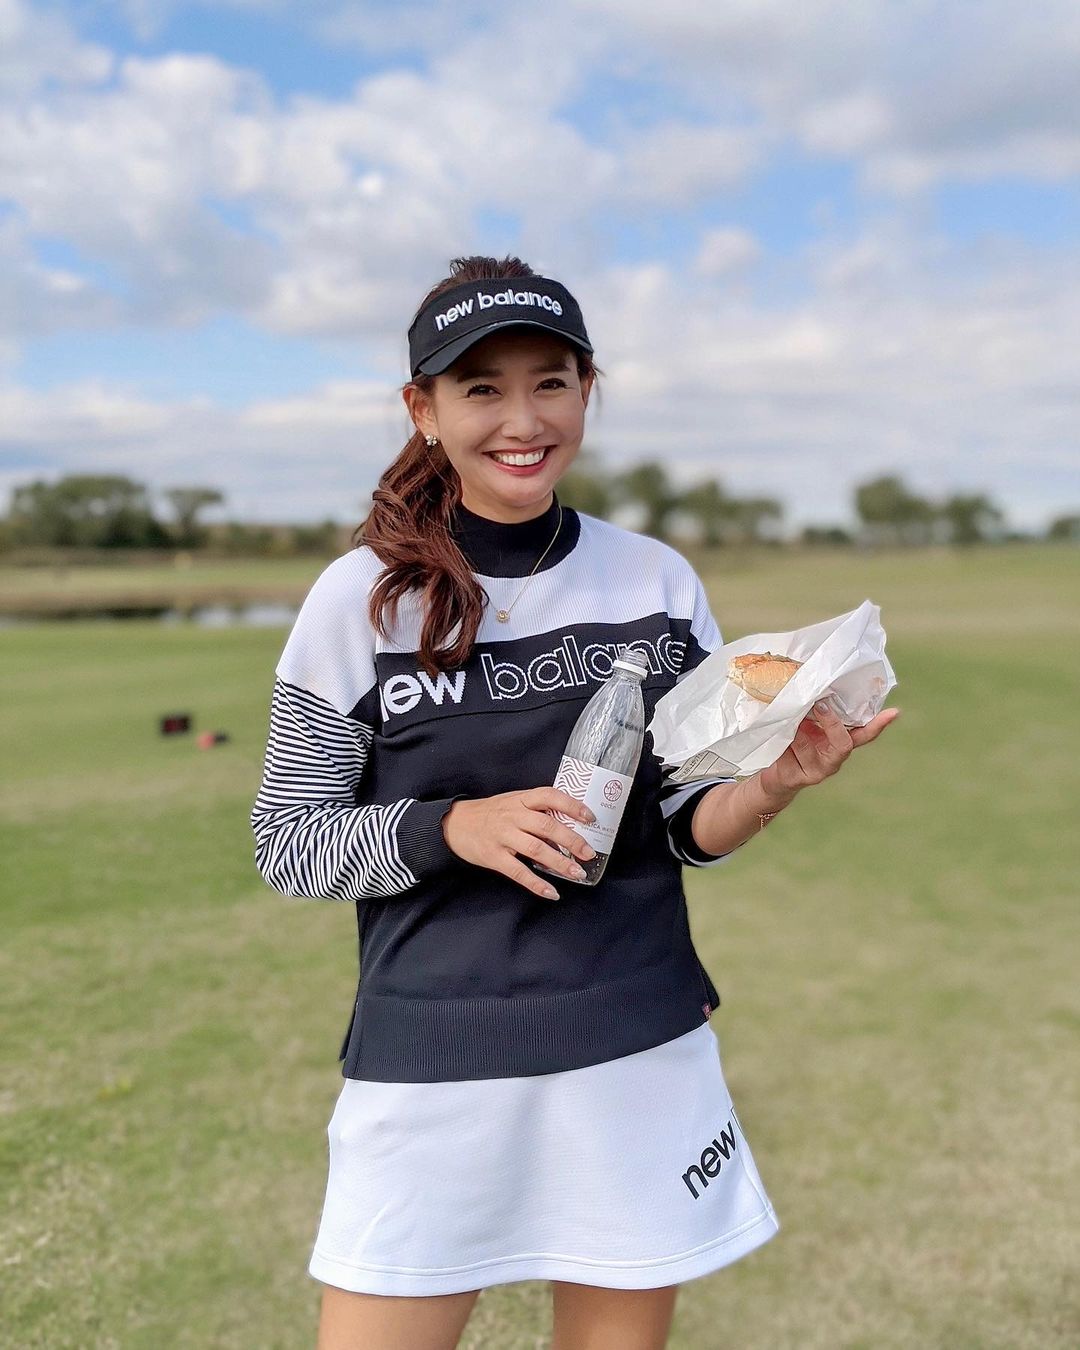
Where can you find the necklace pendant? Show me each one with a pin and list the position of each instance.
(503, 615)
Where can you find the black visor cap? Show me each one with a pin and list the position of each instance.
(459, 318)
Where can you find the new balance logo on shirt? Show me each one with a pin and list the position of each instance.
(506, 672)
(712, 1160)
(567, 666)
(401, 693)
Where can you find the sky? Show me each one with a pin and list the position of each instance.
(814, 241)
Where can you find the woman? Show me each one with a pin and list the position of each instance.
(532, 1089)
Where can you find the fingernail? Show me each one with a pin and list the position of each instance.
(589, 854)
(578, 873)
(551, 893)
(588, 816)
(821, 707)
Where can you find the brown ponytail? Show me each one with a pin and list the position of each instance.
(408, 526)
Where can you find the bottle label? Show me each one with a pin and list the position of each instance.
(603, 791)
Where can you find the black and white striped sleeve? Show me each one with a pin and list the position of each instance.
(312, 836)
(678, 801)
(311, 839)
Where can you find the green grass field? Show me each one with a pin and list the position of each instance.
(896, 957)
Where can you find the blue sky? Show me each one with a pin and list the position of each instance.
(808, 250)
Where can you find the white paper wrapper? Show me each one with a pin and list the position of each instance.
(708, 726)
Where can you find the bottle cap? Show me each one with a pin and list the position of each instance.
(632, 659)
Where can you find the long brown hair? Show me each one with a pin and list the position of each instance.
(408, 526)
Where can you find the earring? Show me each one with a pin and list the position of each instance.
(432, 441)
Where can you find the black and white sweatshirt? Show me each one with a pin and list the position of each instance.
(463, 973)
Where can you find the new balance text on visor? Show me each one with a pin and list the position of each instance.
(483, 301)
(450, 323)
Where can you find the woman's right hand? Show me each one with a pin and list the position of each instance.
(497, 832)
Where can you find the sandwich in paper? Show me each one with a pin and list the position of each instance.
(762, 674)
(738, 711)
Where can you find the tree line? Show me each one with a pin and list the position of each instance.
(888, 512)
(110, 511)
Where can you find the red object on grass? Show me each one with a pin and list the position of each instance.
(206, 740)
(172, 724)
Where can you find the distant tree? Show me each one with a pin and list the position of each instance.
(710, 506)
(186, 503)
(972, 519)
(247, 541)
(1065, 527)
(85, 511)
(647, 486)
(749, 515)
(320, 540)
(586, 487)
(826, 536)
(37, 516)
(715, 517)
(890, 513)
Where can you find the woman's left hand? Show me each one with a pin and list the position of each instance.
(821, 746)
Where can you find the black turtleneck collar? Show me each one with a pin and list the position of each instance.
(496, 549)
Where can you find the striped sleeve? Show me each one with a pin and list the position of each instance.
(311, 839)
(678, 801)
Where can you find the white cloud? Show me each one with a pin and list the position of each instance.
(676, 165)
(341, 203)
(847, 125)
(334, 208)
(726, 251)
(36, 47)
(38, 299)
(123, 173)
(916, 92)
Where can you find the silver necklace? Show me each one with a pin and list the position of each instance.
(503, 615)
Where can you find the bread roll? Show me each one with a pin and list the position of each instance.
(761, 674)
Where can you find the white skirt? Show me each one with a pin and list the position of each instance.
(630, 1175)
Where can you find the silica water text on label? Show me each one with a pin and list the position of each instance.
(601, 758)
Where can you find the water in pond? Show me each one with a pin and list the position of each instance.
(259, 615)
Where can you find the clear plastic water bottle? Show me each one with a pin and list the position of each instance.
(601, 758)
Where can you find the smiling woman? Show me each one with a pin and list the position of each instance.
(422, 705)
(500, 383)
(515, 409)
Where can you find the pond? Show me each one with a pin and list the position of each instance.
(261, 614)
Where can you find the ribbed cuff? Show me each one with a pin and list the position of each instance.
(681, 834)
(421, 844)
